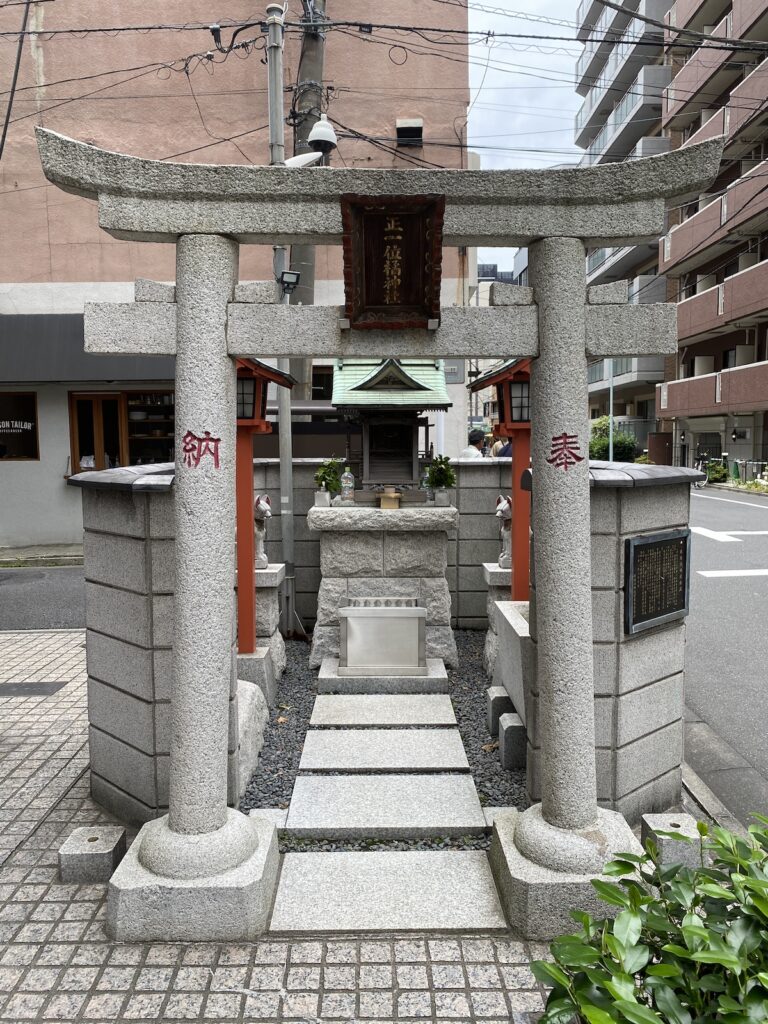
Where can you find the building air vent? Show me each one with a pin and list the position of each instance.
(410, 131)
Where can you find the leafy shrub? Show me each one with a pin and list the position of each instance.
(643, 460)
(717, 473)
(624, 447)
(329, 473)
(757, 485)
(687, 947)
(440, 474)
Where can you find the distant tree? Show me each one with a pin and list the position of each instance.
(624, 445)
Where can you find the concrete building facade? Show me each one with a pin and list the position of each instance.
(621, 74)
(167, 93)
(715, 399)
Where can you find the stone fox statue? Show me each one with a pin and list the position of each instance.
(504, 513)
(262, 511)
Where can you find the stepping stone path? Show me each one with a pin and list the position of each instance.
(380, 766)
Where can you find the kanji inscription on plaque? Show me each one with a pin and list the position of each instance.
(393, 251)
(656, 579)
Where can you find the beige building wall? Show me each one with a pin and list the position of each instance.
(143, 109)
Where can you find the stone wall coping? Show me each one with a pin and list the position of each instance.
(158, 477)
(495, 576)
(424, 519)
(631, 474)
(272, 576)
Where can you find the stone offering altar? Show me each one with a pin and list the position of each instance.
(369, 552)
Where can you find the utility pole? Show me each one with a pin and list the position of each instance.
(275, 21)
(307, 110)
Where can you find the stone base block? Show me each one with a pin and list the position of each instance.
(258, 668)
(229, 907)
(91, 854)
(329, 680)
(490, 653)
(498, 703)
(252, 718)
(276, 645)
(441, 643)
(512, 741)
(537, 900)
(673, 851)
(325, 644)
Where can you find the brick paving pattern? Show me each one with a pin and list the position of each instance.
(57, 964)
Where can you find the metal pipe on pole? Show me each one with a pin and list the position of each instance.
(307, 110)
(275, 21)
(610, 410)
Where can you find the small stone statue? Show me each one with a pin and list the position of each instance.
(262, 511)
(504, 513)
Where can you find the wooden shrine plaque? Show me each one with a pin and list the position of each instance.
(393, 254)
(656, 579)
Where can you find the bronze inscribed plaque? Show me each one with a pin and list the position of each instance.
(657, 579)
(393, 254)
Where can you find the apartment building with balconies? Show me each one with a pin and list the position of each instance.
(715, 252)
(622, 74)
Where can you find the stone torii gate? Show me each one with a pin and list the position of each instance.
(206, 871)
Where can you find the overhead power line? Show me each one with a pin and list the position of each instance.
(14, 79)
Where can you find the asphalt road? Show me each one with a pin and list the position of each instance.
(42, 598)
(726, 737)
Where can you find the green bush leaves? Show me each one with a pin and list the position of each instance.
(686, 946)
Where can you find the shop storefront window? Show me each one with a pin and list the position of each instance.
(125, 429)
(19, 440)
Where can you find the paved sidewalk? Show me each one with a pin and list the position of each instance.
(56, 963)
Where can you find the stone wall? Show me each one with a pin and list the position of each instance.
(479, 483)
(638, 679)
(128, 549)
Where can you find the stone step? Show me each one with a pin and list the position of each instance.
(387, 750)
(435, 681)
(365, 710)
(384, 807)
(436, 890)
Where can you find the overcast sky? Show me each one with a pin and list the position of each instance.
(523, 91)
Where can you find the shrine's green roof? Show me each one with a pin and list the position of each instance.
(413, 384)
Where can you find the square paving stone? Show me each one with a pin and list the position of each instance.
(386, 891)
(398, 750)
(385, 806)
(387, 710)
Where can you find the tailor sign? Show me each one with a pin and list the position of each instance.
(657, 571)
(18, 426)
(393, 254)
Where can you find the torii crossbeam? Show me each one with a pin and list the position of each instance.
(207, 861)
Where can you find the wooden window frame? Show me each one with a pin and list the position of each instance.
(97, 397)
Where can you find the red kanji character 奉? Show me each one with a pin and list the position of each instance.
(194, 448)
(565, 451)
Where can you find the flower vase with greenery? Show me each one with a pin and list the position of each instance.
(441, 476)
(328, 476)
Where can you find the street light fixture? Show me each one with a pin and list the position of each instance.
(289, 281)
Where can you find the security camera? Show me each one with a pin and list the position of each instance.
(322, 138)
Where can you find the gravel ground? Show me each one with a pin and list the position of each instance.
(272, 784)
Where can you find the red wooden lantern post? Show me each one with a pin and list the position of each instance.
(253, 379)
(512, 383)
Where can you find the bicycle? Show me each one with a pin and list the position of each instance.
(701, 464)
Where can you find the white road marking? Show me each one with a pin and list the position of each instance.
(731, 501)
(719, 573)
(724, 538)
